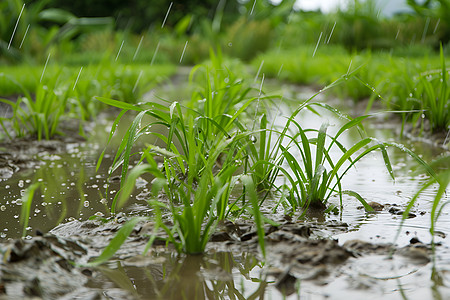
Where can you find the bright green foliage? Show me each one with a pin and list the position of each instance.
(206, 146)
(38, 116)
(69, 92)
(120, 237)
(433, 91)
(208, 150)
(314, 175)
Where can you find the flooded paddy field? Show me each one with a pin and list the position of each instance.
(348, 254)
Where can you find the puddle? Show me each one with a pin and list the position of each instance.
(72, 190)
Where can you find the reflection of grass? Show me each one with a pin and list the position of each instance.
(27, 200)
(442, 180)
(196, 277)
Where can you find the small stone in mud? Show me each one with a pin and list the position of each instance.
(414, 240)
(418, 253)
(397, 211)
(376, 206)
(286, 283)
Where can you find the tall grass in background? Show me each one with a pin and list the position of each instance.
(408, 86)
(68, 92)
(433, 93)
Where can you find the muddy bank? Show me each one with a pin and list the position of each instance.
(51, 266)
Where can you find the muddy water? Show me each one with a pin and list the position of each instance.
(73, 190)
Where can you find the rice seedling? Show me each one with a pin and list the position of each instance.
(315, 176)
(205, 147)
(39, 115)
(195, 203)
(433, 94)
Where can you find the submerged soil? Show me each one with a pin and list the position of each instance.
(51, 266)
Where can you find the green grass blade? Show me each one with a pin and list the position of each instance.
(320, 146)
(133, 130)
(251, 192)
(129, 185)
(119, 104)
(111, 133)
(360, 199)
(114, 245)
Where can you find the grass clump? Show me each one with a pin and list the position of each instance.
(204, 150)
(210, 147)
(40, 115)
(432, 88)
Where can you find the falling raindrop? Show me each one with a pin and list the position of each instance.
(75, 84)
(120, 49)
(253, 7)
(259, 70)
(167, 14)
(331, 33)
(45, 66)
(425, 30)
(184, 49)
(279, 71)
(138, 48)
(154, 55)
(349, 67)
(398, 32)
(23, 39)
(437, 24)
(137, 81)
(317, 45)
(15, 27)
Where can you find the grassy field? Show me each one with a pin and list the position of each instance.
(220, 141)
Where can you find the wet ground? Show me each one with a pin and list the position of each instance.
(348, 255)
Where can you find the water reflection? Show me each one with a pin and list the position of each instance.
(220, 275)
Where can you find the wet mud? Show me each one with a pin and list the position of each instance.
(54, 265)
